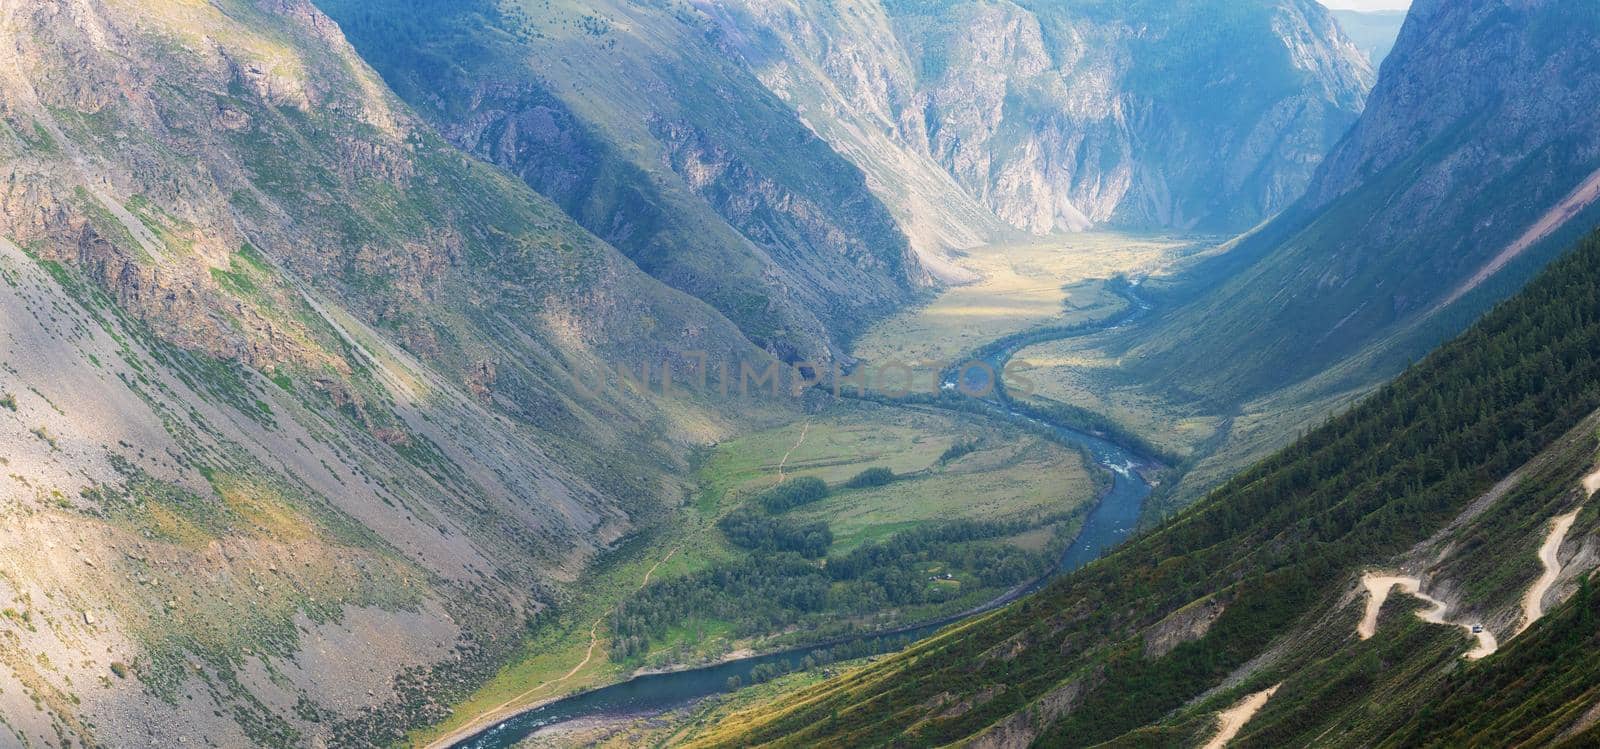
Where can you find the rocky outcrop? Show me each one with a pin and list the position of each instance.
(1023, 727)
(182, 304)
(845, 246)
(1187, 624)
(1520, 93)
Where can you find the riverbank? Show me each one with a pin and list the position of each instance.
(1114, 516)
(1073, 305)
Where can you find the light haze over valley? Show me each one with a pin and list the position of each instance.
(790, 373)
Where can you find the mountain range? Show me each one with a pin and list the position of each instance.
(728, 147)
(321, 321)
(1069, 116)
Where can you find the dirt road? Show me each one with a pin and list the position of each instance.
(804, 428)
(1232, 720)
(1549, 557)
(1378, 587)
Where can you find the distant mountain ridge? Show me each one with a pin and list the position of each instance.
(1372, 31)
(1066, 116)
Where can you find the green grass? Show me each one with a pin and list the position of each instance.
(1010, 474)
(1021, 476)
(687, 640)
(1015, 474)
(1051, 281)
(1078, 372)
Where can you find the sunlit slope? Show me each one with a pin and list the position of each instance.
(295, 444)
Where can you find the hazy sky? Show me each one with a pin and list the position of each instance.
(1368, 4)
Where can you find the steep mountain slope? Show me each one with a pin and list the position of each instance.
(1372, 31)
(1475, 156)
(1452, 191)
(634, 120)
(1452, 474)
(1063, 116)
(291, 417)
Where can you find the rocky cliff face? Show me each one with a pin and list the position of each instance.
(633, 119)
(288, 413)
(1059, 116)
(1474, 158)
(1373, 32)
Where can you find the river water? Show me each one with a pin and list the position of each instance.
(1107, 525)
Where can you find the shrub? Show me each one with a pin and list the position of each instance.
(751, 530)
(793, 493)
(871, 477)
(955, 451)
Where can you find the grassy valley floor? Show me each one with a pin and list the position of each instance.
(1001, 473)
(946, 468)
(1046, 281)
(1078, 372)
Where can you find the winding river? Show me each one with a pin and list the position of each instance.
(1109, 523)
